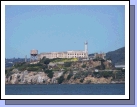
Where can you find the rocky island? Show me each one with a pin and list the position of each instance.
(64, 71)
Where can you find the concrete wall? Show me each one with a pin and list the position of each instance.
(68, 54)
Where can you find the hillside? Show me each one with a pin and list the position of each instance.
(70, 71)
(117, 56)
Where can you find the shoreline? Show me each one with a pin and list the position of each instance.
(68, 84)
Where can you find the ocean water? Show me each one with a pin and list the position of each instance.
(66, 89)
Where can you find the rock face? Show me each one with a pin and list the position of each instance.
(26, 77)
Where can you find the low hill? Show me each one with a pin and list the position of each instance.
(117, 56)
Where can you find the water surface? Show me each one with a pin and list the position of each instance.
(66, 89)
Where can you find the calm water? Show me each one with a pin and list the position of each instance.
(73, 89)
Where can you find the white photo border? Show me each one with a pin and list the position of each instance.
(5, 97)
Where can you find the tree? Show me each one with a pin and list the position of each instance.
(6, 71)
(84, 65)
(107, 74)
(81, 80)
(61, 79)
(47, 71)
(102, 65)
(67, 64)
(69, 76)
(50, 74)
(46, 61)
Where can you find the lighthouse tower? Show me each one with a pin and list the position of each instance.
(86, 48)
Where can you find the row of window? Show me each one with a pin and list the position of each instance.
(76, 54)
(69, 55)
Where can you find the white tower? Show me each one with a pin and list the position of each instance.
(26, 58)
(86, 48)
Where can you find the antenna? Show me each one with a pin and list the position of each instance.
(26, 58)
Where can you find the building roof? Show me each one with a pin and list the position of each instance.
(61, 52)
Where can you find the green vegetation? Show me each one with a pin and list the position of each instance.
(65, 72)
(43, 64)
(119, 75)
(8, 73)
(67, 64)
(81, 80)
(106, 74)
(84, 66)
(70, 75)
(101, 67)
(77, 75)
(98, 59)
(88, 81)
(64, 59)
(50, 74)
(32, 68)
(61, 79)
(47, 71)
(46, 61)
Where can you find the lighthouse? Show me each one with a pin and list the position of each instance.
(86, 49)
(86, 46)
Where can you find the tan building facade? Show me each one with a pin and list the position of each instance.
(67, 54)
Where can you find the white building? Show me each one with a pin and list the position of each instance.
(67, 54)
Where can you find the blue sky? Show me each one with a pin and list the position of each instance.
(63, 28)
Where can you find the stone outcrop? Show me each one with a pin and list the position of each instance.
(33, 77)
(26, 77)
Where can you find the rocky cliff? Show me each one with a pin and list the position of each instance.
(27, 77)
(78, 72)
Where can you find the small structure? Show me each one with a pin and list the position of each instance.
(33, 55)
(96, 70)
(101, 55)
(122, 66)
(66, 54)
(26, 58)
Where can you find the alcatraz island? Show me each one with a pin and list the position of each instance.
(70, 67)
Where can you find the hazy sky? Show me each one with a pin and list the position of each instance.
(63, 28)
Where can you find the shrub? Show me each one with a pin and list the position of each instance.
(88, 81)
(106, 74)
(6, 71)
(81, 80)
(84, 66)
(47, 71)
(32, 69)
(65, 72)
(22, 68)
(78, 76)
(50, 74)
(85, 74)
(61, 79)
(67, 64)
(69, 76)
(9, 73)
(46, 61)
